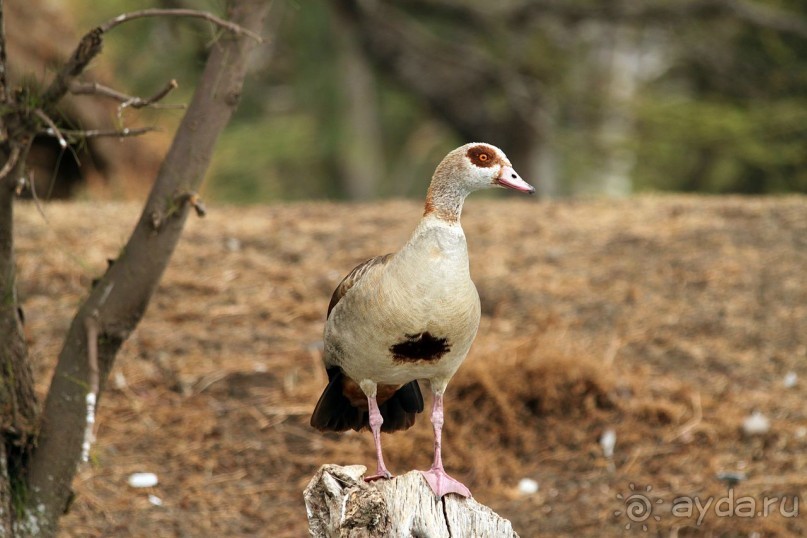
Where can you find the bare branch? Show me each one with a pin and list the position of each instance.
(193, 200)
(90, 46)
(112, 133)
(34, 197)
(20, 185)
(52, 128)
(94, 88)
(11, 162)
(91, 327)
(120, 19)
(3, 66)
(137, 102)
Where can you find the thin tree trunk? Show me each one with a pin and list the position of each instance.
(360, 157)
(18, 405)
(15, 378)
(6, 495)
(119, 299)
(543, 160)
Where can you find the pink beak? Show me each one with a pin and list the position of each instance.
(510, 179)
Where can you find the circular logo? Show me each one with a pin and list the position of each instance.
(638, 507)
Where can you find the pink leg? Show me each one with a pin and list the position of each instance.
(437, 477)
(376, 420)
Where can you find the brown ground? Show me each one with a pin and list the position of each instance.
(668, 320)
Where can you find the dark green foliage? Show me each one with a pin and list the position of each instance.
(726, 111)
(732, 114)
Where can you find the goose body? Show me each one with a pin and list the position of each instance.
(415, 312)
(410, 315)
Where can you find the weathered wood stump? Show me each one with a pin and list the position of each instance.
(340, 504)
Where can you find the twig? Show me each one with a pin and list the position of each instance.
(697, 412)
(207, 381)
(3, 61)
(137, 102)
(13, 156)
(288, 410)
(119, 133)
(20, 186)
(120, 19)
(32, 186)
(94, 88)
(90, 46)
(53, 129)
(611, 352)
(55, 174)
(194, 200)
(91, 327)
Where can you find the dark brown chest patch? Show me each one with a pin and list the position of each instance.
(420, 347)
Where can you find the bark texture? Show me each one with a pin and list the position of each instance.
(340, 504)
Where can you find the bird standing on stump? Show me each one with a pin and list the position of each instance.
(410, 315)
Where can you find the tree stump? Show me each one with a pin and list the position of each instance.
(340, 504)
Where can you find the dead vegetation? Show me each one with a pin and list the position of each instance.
(668, 320)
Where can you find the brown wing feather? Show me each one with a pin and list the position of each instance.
(354, 276)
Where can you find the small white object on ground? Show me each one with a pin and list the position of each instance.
(756, 424)
(120, 380)
(143, 480)
(608, 442)
(527, 486)
(156, 501)
(790, 380)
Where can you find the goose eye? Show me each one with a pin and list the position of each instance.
(481, 156)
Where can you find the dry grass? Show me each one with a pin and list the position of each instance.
(666, 319)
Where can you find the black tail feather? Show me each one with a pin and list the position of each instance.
(334, 412)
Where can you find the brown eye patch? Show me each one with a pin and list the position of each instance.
(481, 156)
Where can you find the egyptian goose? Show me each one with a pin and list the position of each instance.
(410, 315)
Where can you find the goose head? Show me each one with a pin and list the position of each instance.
(466, 169)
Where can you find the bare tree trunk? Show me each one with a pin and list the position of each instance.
(17, 399)
(542, 160)
(360, 157)
(622, 58)
(6, 495)
(618, 53)
(18, 406)
(340, 504)
(480, 98)
(117, 303)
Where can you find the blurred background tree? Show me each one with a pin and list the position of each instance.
(360, 99)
